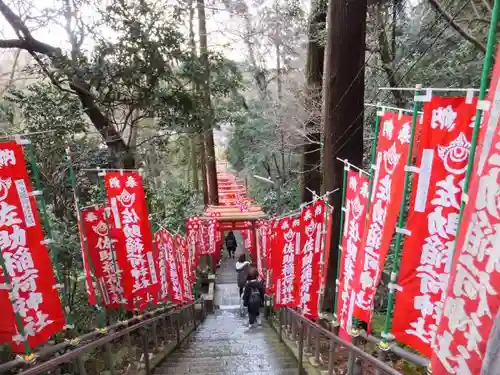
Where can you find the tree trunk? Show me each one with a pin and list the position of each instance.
(311, 158)
(280, 98)
(194, 165)
(343, 106)
(203, 163)
(208, 117)
(192, 43)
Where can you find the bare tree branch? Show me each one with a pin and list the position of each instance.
(466, 35)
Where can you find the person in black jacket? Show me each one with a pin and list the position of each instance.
(253, 297)
(231, 244)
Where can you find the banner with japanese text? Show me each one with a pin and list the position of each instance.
(270, 256)
(467, 337)
(161, 246)
(101, 249)
(175, 279)
(312, 242)
(288, 278)
(277, 256)
(261, 248)
(326, 250)
(89, 283)
(134, 241)
(193, 241)
(27, 265)
(387, 193)
(356, 202)
(181, 251)
(432, 219)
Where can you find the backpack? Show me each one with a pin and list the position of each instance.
(231, 242)
(242, 276)
(254, 299)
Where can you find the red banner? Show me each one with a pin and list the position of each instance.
(134, 243)
(175, 290)
(288, 278)
(356, 201)
(161, 246)
(101, 250)
(312, 221)
(432, 220)
(387, 193)
(271, 248)
(32, 285)
(193, 241)
(467, 338)
(261, 248)
(89, 284)
(181, 251)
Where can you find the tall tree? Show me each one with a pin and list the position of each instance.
(208, 133)
(343, 104)
(311, 158)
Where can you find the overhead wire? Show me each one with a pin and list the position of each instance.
(436, 38)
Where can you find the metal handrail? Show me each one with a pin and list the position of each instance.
(298, 324)
(98, 339)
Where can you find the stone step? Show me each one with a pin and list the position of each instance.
(233, 367)
(290, 371)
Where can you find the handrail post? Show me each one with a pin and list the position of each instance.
(331, 357)
(281, 324)
(301, 347)
(145, 352)
(109, 358)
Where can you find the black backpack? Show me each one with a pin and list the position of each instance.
(242, 276)
(254, 299)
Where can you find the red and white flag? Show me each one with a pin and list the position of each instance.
(356, 202)
(175, 280)
(101, 249)
(181, 252)
(31, 282)
(271, 254)
(467, 338)
(288, 279)
(312, 245)
(161, 246)
(134, 241)
(89, 283)
(387, 194)
(432, 220)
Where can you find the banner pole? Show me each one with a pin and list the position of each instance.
(339, 256)
(401, 221)
(488, 60)
(373, 156)
(72, 179)
(42, 206)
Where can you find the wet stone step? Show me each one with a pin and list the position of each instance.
(229, 366)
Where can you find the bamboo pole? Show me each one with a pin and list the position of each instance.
(488, 60)
(337, 272)
(100, 306)
(401, 221)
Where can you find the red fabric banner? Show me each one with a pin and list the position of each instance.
(27, 262)
(432, 221)
(161, 246)
(134, 242)
(287, 280)
(175, 281)
(312, 221)
(89, 284)
(103, 256)
(277, 250)
(193, 241)
(326, 253)
(261, 248)
(181, 250)
(467, 338)
(387, 193)
(271, 246)
(356, 201)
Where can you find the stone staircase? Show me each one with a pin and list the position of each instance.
(224, 345)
